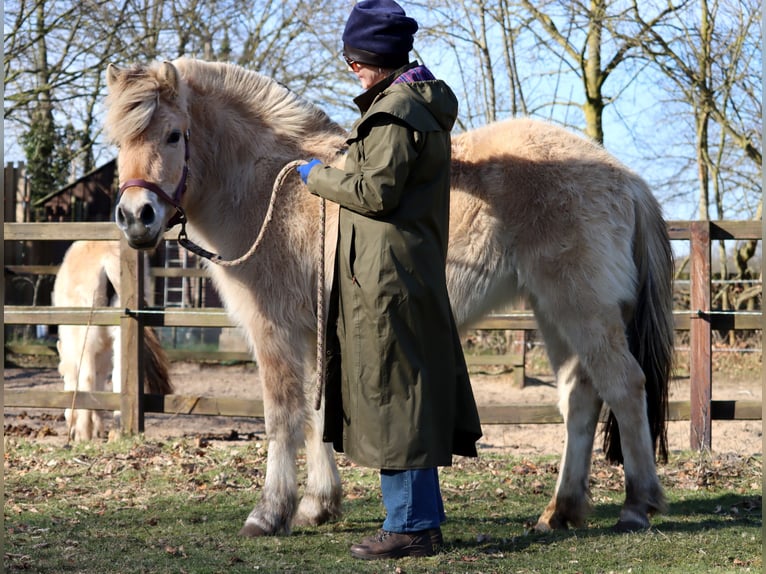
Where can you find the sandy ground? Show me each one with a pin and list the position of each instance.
(241, 380)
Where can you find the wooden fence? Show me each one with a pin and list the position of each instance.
(700, 409)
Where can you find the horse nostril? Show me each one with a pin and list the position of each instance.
(147, 215)
(120, 216)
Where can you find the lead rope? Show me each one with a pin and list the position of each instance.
(318, 391)
(218, 260)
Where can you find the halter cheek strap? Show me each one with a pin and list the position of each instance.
(175, 200)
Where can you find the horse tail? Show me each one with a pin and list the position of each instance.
(650, 328)
(156, 371)
(156, 362)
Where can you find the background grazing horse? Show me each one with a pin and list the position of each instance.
(536, 212)
(89, 276)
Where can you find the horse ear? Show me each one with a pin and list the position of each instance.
(112, 75)
(168, 77)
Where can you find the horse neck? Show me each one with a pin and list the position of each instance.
(234, 163)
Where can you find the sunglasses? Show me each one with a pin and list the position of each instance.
(349, 61)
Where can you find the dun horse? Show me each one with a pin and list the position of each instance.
(89, 276)
(537, 212)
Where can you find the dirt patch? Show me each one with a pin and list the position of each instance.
(242, 380)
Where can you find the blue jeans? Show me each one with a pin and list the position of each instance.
(412, 499)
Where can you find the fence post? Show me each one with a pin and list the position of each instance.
(518, 350)
(700, 334)
(131, 339)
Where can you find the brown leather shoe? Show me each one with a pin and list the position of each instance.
(385, 544)
(436, 538)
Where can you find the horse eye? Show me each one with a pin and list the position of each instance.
(174, 137)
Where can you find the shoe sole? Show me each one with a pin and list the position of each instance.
(401, 553)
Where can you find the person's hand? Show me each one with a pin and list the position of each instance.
(304, 169)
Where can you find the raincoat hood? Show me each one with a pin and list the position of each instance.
(402, 99)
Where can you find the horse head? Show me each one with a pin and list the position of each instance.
(147, 119)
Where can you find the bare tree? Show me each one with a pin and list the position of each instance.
(593, 42)
(711, 59)
(480, 37)
(56, 53)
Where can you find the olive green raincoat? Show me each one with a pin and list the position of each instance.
(402, 397)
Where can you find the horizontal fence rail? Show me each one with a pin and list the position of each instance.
(700, 321)
(214, 317)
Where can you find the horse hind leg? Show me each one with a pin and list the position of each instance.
(619, 381)
(580, 406)
(626, 397)
(323, 494)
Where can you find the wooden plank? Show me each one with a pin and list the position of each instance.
(719, 229)
(61, 231)
(217, 317)
(61, 399)
(700, 336)
(171, 317)
(677, 411)
(519, 414)
(178, 272)
(9, 192)
(724, 321)
(736, 410)
(192, 405)
(213, 356)
(153, 271)
(736, 229)
(678, 230)
(131, 341)
(25, 315)
(237, 407)
(520, 320)
(492, 360)
(525, 321)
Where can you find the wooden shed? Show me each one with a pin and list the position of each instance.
(89, 198)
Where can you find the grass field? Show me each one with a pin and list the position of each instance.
(141, 506)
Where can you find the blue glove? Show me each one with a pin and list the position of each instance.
(304, 169)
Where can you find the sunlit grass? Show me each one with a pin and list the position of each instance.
(141, 506)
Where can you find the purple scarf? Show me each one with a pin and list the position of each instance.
(416, 74)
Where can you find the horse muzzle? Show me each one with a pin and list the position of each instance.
(143, 225)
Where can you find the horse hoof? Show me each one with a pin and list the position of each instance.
(304, 520)
(632, 519)
(315, 510)
(631, 525)
(546, 527)
(542, 528)
(551, 520)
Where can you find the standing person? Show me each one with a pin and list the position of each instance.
(402, 400)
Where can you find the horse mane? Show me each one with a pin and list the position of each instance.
(130, 107)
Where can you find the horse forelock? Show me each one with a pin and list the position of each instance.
(133, 101)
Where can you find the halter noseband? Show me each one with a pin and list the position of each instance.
(175, 200)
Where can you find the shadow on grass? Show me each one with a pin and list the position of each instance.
(697, 515)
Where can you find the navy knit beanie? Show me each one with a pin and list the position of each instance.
(379, 33)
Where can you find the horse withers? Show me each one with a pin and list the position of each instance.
(89, 355)
(536, 212)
